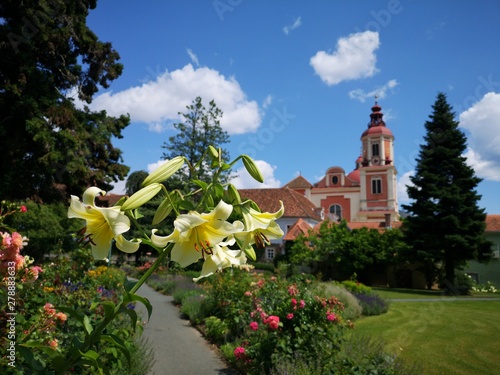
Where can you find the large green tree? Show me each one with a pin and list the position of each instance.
(200, 129)
(49, 147)
(338, 252)
(445, 226)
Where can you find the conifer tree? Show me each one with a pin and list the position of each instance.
(50, 148)
(446, 225)
(200, 129)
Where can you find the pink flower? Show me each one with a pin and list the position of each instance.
(254, 326)
(23, 209)
(248, 293)
(302, 304)
(294, 301)
(239, 352)
(273, 322)
(289, 316)
(292, 290)
(49, 309)
(62, 317)
(53, 343)
(331, 316)
(17, 240)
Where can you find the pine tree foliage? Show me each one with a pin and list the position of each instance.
(49, 147)
(200, 129)
(446, 225)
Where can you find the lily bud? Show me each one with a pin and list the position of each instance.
(164, 171)
(213, 152)
(141, 197)
(251, 167)
(233, 194)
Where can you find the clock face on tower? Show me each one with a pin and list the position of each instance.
(376, 160)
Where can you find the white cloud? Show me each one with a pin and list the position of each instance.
(193, 57)
(244, 181)
(158, 102)
(354, 58)
(293, 26)
(487, 169)
(482, 121)
(401, 187)
(267, 102)
(118, 188)
(381, 92)
(153, 166)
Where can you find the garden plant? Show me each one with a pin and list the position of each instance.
(211, 223)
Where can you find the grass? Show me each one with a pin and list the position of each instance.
(459, 337)
(401, 293)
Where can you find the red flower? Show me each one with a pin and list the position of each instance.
(273, 322)
(254, 326)
(239, 352)
(331, 316)
(23, 209)
(289, 316)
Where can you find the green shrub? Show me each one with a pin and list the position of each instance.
(192, 308)
(362, 354)
(352, 307)
(356, 287)
(216, 330)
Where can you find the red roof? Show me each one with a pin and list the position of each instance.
(110, 199)
(296, 205)
(299, 182)
(298, 228)
(492, 223)
(377, 130)
(354, 175)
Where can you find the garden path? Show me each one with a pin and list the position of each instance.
(179, 348)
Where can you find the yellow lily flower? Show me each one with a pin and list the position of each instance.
(259, 227)
(103, 224)
(198, 235)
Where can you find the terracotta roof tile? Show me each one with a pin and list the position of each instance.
(299, 182)
(109, 200)
(296, 205)
(298, 228)
(492, 223)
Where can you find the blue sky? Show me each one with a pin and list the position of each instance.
(296, 79)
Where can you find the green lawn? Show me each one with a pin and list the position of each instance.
(421, 293)
(459, 337)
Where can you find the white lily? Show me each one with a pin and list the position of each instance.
(259, 227)
(222, 257)
(103, 224)
(198, 235)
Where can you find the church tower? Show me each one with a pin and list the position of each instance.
(378, 195)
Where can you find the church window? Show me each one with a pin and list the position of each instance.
(335, 180)
(336, 210)
(375, 149)
(376, 186)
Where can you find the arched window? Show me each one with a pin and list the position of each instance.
(336, 211)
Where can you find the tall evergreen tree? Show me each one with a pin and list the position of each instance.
(49, 147)
(200, 129)
(445, 225)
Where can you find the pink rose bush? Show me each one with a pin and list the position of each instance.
(272, 319)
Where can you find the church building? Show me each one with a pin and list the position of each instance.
(367, 195)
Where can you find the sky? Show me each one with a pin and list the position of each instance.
(296, 80)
